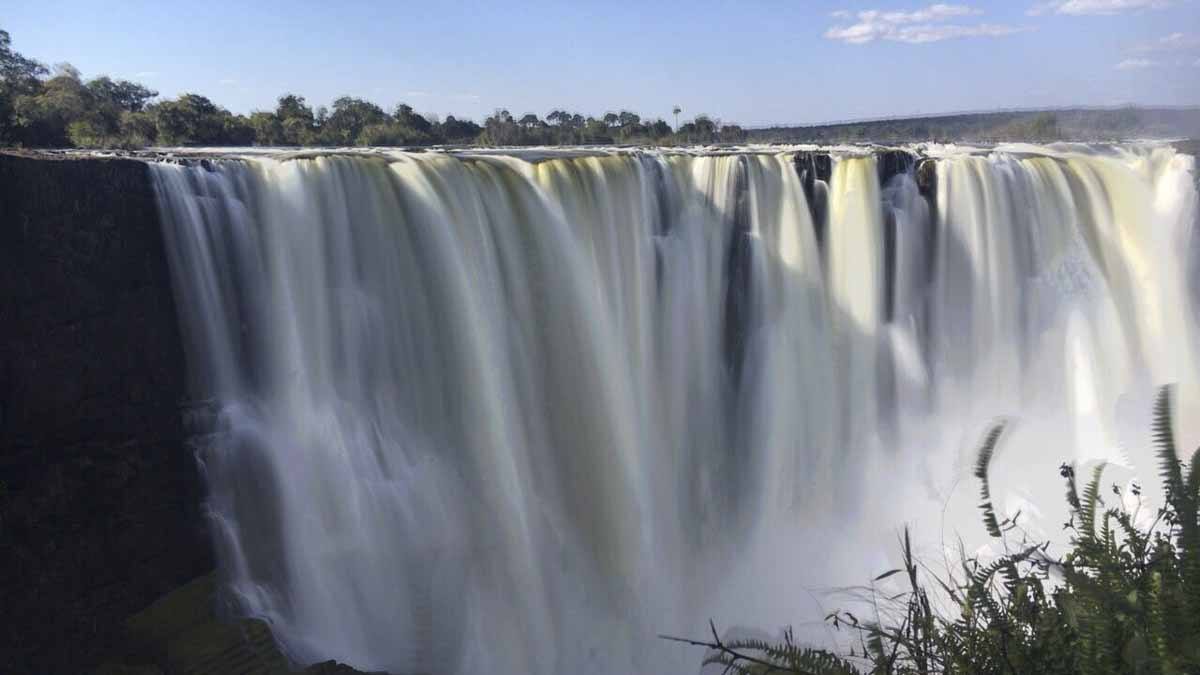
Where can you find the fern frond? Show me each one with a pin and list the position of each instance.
(1193, 477)
(1091, 499)
(986, 451)
(1164, 440)
(782, 658)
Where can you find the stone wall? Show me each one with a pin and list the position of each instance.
(99, 497)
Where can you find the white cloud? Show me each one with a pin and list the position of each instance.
(916, 27)
(1169, 43)
(937, 12)
(1137, 64)
(1080, 7)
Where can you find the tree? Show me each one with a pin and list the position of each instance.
(405, 116)
(349, 117)
(19, 76)
(700, 130)
(268, 130)
(530, 121)
(235, 130)
(42, 118)
(391, 134)
(611, 120)
(296, 120)
(500, 129)
(137, 129)
(64, 69)
(732, 133)
(454, 130)
(190, 119)
(291, 106)
(295, 131)
(123, 94)
(596, 131)
(676, 110)
(16, 69)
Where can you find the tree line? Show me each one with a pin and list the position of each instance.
(1064, 124)
(57, 108)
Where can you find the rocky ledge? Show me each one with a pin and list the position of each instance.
(181, 634)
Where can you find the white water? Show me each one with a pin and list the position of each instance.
(482, 414)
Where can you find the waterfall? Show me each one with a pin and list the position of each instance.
(482, 412)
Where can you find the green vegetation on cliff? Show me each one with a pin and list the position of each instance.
(40, 108)
(1124, 599)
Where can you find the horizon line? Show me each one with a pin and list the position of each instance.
(975, 111)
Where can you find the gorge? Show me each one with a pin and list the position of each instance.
(521, 411)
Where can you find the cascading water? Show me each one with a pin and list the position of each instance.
(485, 413)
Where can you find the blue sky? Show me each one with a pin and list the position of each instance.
(748, 61)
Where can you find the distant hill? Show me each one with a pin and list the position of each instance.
(1070, 124)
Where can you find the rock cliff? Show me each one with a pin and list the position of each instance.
(99, 495)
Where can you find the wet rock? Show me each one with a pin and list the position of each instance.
(99, 497)
(889, 163)
(330, 668)
(183, 633)
(927, 178)
(122, 669)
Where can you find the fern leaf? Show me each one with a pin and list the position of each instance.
(986, 451)
(1164, 440)
(1090, 500)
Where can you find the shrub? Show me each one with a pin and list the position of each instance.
(1124, 599)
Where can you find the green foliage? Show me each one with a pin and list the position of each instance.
(126, 96)
(349, 118)
(297, 123)
(1124, 599)
(65, 111)
(268, 129)
(193, 119)
(42, 117)
(137, 129)
(391, 134)
(758, 657)
(19, 76)
(453, 130)
(566, 128)
(406, 117)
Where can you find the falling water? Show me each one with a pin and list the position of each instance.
(487, 413)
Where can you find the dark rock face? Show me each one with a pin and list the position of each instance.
(1190, 146)
(891, 162)
(927, 179)
(99, 500)
(814, 168)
